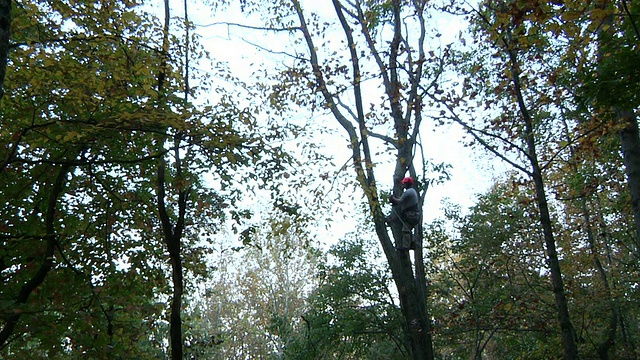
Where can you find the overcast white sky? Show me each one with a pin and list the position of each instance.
(233, 45)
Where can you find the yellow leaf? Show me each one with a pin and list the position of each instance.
(599, 14)
(570, 15)
(70, 136)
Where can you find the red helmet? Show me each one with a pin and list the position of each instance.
(407, 180)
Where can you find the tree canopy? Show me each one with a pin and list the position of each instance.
(159, 201)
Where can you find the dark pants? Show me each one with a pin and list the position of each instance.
(407, 230)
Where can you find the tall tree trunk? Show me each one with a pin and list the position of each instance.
(569, 346)
(412, 300)
(626, 118)
(412, 305)
(413, 285)
(172, 237)
(172, 233)
(630, 146)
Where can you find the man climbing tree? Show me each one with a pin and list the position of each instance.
(381, 42)
(405, 210)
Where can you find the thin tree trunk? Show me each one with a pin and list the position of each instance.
(568, 339)
(415, 311)
(569, 347)
(412, 300)
(172, 238)
(413, 295)
(176, 301)
(172, 234)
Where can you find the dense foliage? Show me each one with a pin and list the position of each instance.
(154, 201)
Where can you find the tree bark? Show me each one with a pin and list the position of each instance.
(569, 347)
(172, 237)
(630, 146)
(412, 305)
(172, 234)
(627, 120)
(412, 301)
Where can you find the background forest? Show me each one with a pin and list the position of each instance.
(203, 179)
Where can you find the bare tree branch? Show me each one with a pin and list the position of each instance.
(251, 27)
